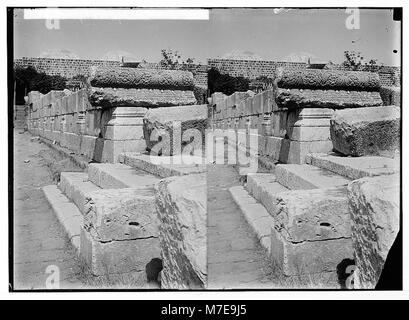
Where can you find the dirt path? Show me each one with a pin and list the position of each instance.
(235, 258)
(39, 240)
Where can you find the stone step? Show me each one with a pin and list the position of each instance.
(355, 167)
(305, 176)
(255, 214)
(164, 166)
(260, 184)
(117, 175)
(306, 232)
(77, 187)
(67, 213)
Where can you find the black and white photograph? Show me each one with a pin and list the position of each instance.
(205, 148)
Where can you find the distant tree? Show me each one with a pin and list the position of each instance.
(225, 83)
(172, 59)
(38, 81)
(354, 61)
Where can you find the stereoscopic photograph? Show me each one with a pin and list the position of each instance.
(205, 148)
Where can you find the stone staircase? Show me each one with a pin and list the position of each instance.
(109, 215)
(301, 212)
(109, 211)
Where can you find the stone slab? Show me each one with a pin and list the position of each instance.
(312, 232)
(355, 168)
(77, 187)
(375, 213)
(305, 176)
(117, 175)
(255, 214)
(67, 213)
(120, 231)
(181, 207)
(263, 185)
(366, 131)
(165, 166)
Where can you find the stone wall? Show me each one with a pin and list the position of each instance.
(69, 68)
(102, 122)
(293, 118)
(389, 76)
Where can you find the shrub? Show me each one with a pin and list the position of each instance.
(227, 84)
(38, 81)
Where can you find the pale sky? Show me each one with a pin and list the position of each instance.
(321, 32)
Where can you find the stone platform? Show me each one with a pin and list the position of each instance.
(114, 218)
(110, 216)
(301, 213)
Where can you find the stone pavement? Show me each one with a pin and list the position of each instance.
(235, 257)
(39, 240)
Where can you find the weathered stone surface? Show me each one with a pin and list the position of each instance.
(366, 131)
(142, 78)
(354, 168)
(120, 97)
(116, 176)
(164, 166)
(120, 231)
(312, 232)
(375, 208)
(304, 176)
(175, 122)
(120, 214)
(181, 208)
(306, 98)
(327, 79)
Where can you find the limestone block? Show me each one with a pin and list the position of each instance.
(375, 205)
(181, 208)
(64, 105)
(312, 231)
(125, 132)
(120, 232)
(56, 107)
(120, 97)
(82, 100)
(315, 257)
(257, 104)
(217, 97)
(268, 101)
(33, 96)
(72, 103)
(46, 99)
(366, 131)
(296, 151)
(87, 146)
(248, 106)
(93, 122)
(71, 141)
(327, 79)
(109, 150)
(279, 123)
(56, 95)
(353, 167)
(306, 98)
(142, 78)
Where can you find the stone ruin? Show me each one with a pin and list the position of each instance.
(125, 213)
(331, 202)
(105, 119)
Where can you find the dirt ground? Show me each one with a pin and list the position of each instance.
(42, 251)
